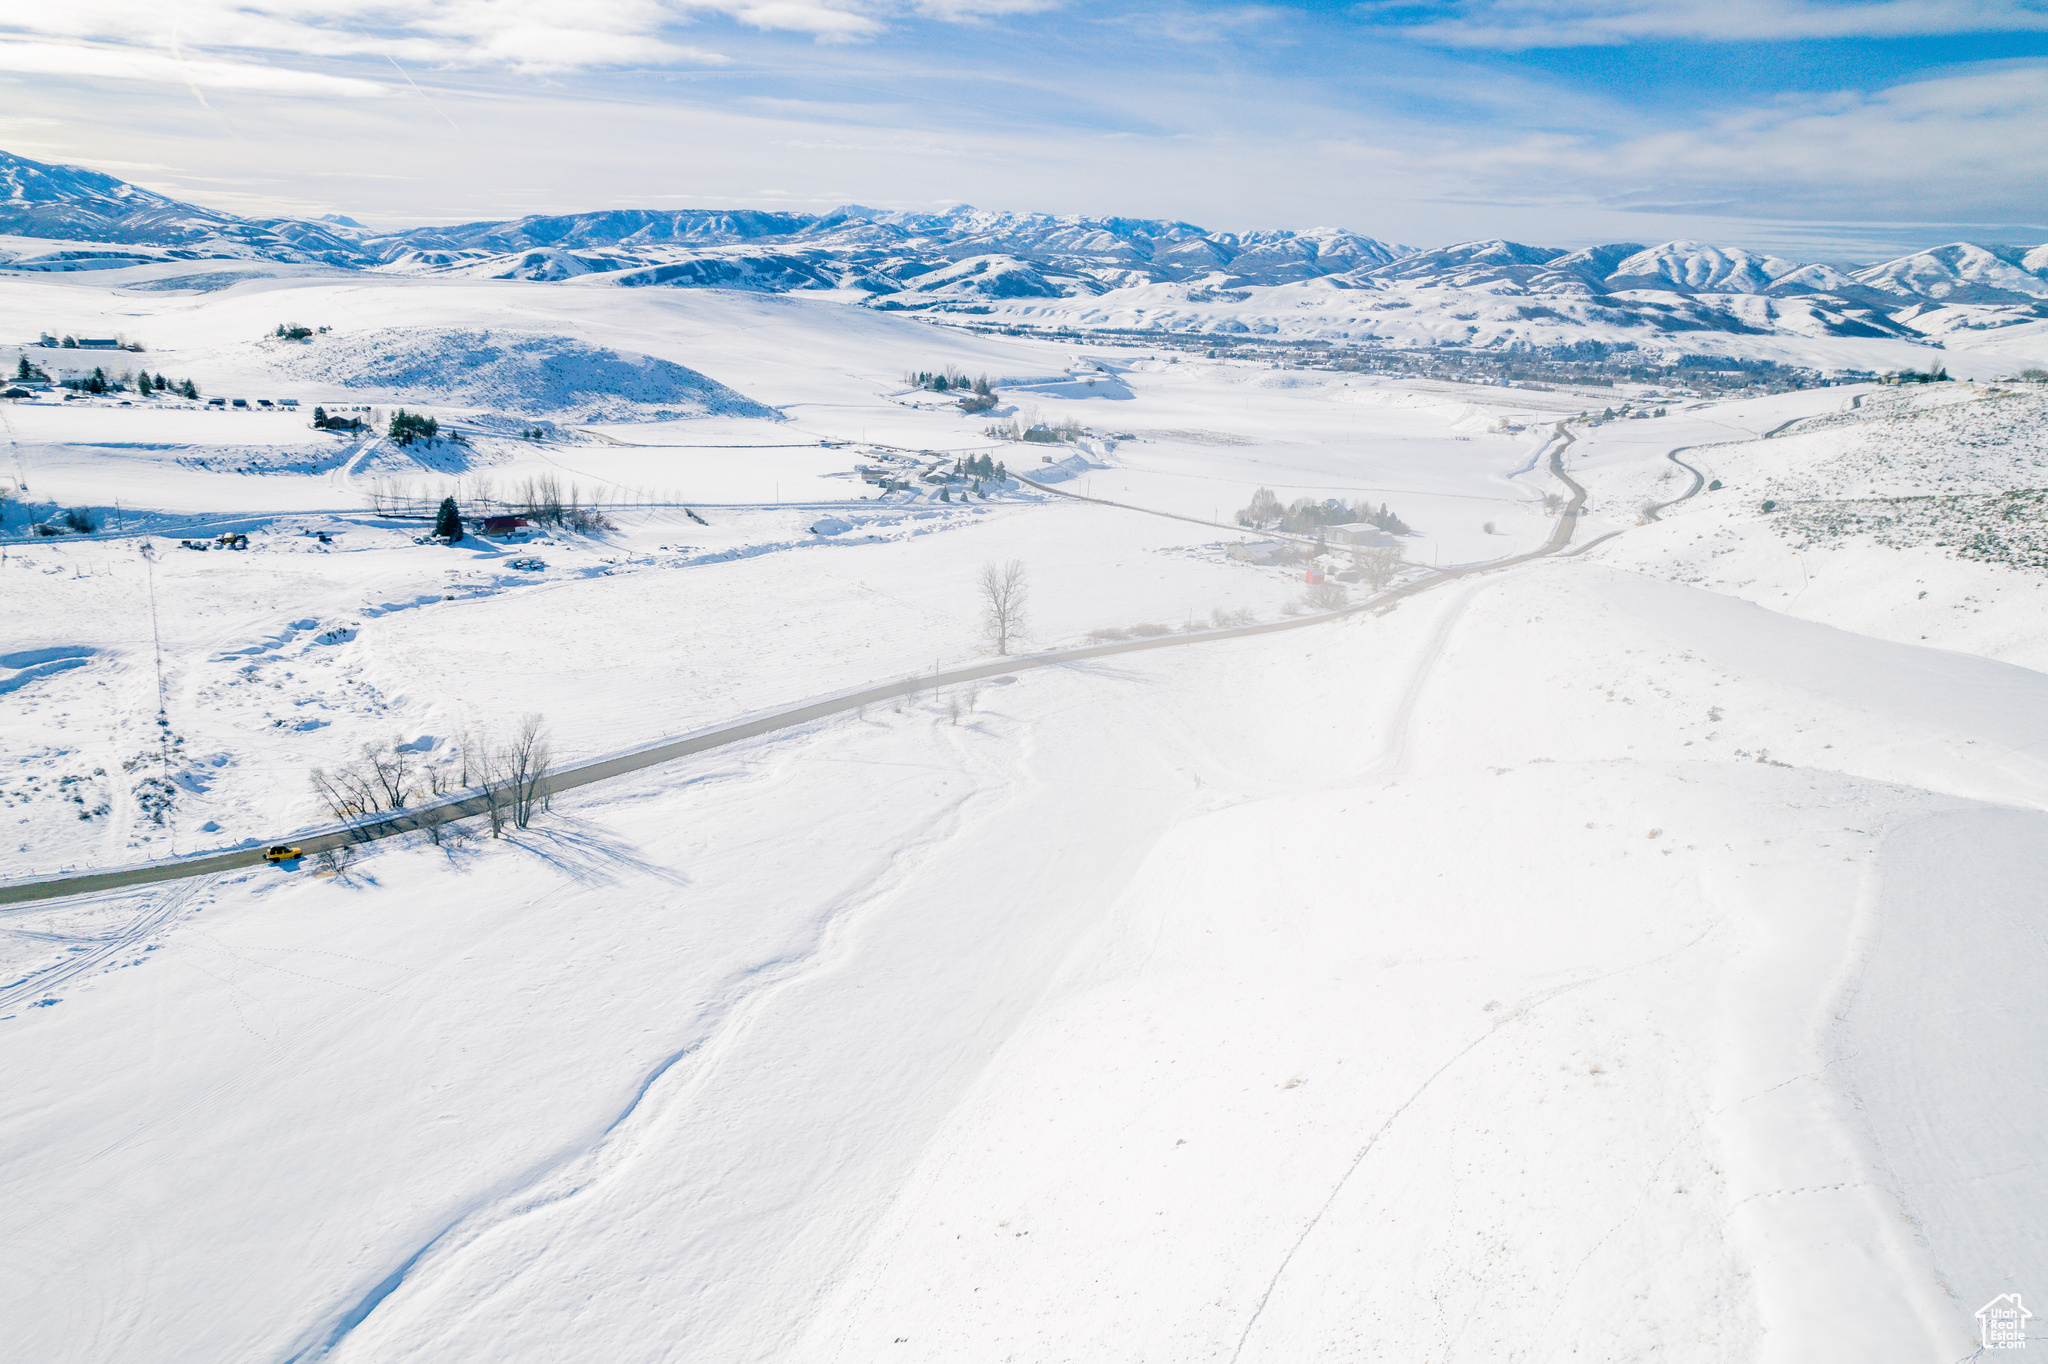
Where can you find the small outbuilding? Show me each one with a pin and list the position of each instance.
(503, 525)
(1359, 533)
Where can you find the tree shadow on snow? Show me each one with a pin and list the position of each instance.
(588, 852)
(1110, 672)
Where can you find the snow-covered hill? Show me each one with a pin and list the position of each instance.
(507, 370)
(1964, 273)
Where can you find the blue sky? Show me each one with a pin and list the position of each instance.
(1823, 130)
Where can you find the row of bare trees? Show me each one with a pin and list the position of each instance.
(508, 776)
(542, 498)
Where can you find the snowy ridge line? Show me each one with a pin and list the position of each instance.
(473, 803)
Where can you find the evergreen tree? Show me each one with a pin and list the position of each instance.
(319, 419)
(407, 427)
(448, 521)
(161, 384)
(190, 389)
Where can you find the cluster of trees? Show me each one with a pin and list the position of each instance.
(543, 499)
(28, 373)
(1065, 430)
(99, 381)
(976, 394)
(292, 331)
(981, 466)
(508, 778)
(949, 380)
(77, 518)
(1306, 516)
(407, 427)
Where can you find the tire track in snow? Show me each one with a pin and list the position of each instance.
(154, 917)
(1517, 1014)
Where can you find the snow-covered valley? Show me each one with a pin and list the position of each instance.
(1627, 953)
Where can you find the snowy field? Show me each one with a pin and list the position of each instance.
(1620, 956)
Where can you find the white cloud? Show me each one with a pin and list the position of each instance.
(528, 35)
(524, 35)
(828, 22)
(82, 59)
(1521, 24)
(1967, 147)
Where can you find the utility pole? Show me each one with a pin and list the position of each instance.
(163, 720)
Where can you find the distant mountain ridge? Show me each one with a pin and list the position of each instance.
(70, 203)
(978, 261)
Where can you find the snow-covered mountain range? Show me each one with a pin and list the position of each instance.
(1075, 271)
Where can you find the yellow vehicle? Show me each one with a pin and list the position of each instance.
(282, 852)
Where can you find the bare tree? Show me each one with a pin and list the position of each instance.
(391, 773)
(526, 770)
(1326, 596)
(1004, 594)
(1377, 565)
(436, 781)
(345, 793)
(492, 790)
(480, 766)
